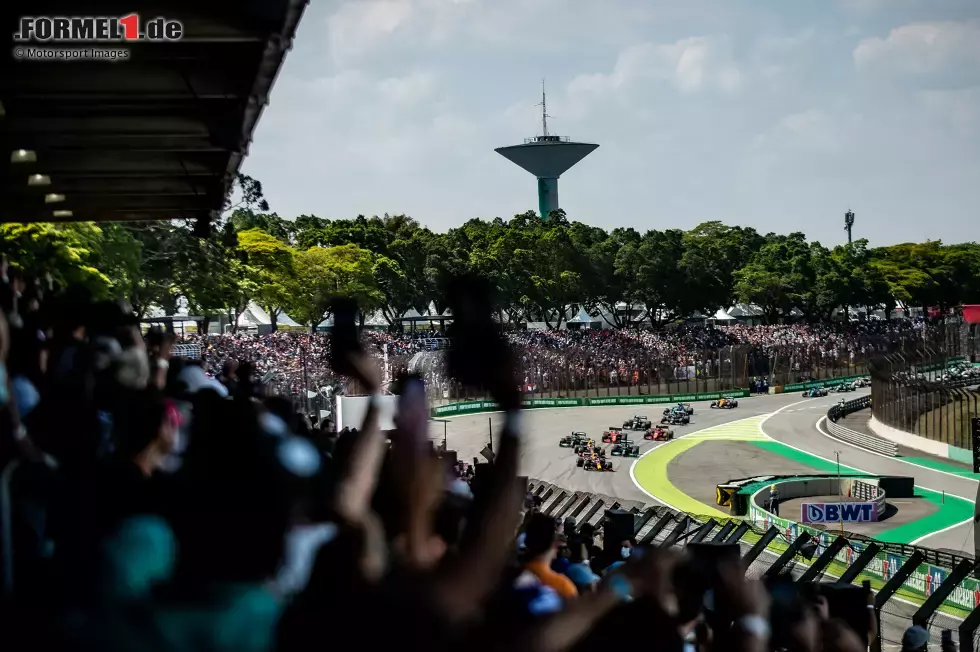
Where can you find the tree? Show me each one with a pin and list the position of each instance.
(208, 274)
(777, 276)
(323, 274)
(660, 278)
(71, 253)
(268, 266)
(713, 253)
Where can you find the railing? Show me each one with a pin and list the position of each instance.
(911, 394)
(191, 351)
(862, 439)
(929, 587)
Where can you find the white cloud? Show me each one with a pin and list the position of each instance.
(922, 48)
(358, 26)
(399, 109)
(691, 64)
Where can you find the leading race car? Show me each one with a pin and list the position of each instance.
(845, 387)
(815, 392)
(612, 435)
(638, 422)
(725, 403)
(658, 433)
(573, 440)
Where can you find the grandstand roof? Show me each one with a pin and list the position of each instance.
(158, 135)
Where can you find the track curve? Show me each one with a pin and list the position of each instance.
(785, 423)
(802, 428)
(542, 458)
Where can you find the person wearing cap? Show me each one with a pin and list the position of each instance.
(774, 500)
(915, 639)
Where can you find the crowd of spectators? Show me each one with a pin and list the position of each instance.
(148, 505)
(576, 359)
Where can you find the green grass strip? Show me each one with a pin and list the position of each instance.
(951, 510)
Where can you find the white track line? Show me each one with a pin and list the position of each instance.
(895, 459)
(826, 433)
(830, 461)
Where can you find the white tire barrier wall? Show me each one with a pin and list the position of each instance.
(864, 440)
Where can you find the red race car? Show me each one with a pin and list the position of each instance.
(658, 433)
(613, 435)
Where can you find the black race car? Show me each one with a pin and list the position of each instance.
(676, 417)
(625, 450)
(573, 440)
(845, 387)
(638, 422)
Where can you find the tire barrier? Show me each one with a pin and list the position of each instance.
(861, 439)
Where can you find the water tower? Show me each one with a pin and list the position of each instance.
(547, 157)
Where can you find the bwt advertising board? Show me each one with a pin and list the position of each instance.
(839, 512)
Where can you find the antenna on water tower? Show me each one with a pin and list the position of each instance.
(547, 157)
(544, 111)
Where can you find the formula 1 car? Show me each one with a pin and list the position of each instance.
(625, 450)
(573, 440)
(845, 387)
(676, 419)
(658, 433)
(612, 435)
(815, 392)
(725, 403)
(862, 382)
(687, 407)
(637, 423)
(588, 448)
(596, 465)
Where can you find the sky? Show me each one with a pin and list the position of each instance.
(775, 114)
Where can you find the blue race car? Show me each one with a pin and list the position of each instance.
(815, 392)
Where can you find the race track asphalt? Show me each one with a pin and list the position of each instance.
(541, 457)
(786, 418)
(797, 425)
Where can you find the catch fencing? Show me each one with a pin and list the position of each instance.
(927, 393)
(932, 588)
(707, 371)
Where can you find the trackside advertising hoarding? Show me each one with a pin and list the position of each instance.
(472, 407)
(920, 584)
(839, 512)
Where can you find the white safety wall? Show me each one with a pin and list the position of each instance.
(351, 411)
